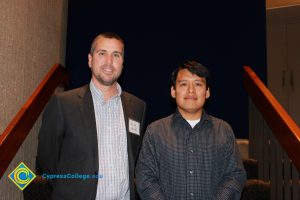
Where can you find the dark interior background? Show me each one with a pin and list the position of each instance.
(159, 35)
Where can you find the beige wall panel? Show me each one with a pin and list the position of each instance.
(32, 39)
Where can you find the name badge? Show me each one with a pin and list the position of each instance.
(134, 127)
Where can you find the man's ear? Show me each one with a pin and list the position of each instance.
(90, 60)
(207, 93)
(173, 93)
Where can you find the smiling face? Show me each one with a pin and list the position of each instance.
(190, 93)
(106, 61)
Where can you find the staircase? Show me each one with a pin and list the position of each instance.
(274, 140)
(255, 188)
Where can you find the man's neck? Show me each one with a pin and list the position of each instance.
(107, 91)
(190, 115)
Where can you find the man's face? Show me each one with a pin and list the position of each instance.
(190, 94)
(106, 62)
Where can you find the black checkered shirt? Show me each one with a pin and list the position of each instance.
(180, 162)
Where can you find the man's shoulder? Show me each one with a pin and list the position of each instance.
(161, 123)
(216, 120)
(70, 95)
(160, 130)
(221, 125)
(131, 97)
(70, 98)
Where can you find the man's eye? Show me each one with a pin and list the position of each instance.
(182, 84)
(199, 84)
(117, 55)
(101, 53)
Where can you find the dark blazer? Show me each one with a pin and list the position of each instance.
(68, 142)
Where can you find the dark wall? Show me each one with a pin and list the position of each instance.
(160, 35)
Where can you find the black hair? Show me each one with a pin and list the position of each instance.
(195, 68)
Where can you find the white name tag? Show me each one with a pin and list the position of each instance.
(134, 127)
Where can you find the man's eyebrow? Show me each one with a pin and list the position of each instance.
(118, 52)
(200, 80)
(197, 80)
(103, 50)
(100, 50)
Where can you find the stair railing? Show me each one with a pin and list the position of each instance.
(20, 126)
(274, 139)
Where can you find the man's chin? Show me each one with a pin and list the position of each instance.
(107, 82)
(192, 110)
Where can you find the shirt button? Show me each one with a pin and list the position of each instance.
(192, 194)
(191, 171)
(191, 150)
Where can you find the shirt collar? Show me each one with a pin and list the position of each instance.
(204, 118)
(99, 95)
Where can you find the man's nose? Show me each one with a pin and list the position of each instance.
(109, 59)
(191, 88)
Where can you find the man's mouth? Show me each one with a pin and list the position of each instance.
(190, 98)
(107, 70)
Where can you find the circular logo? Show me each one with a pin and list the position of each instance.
(21, 176)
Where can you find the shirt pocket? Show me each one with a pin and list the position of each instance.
(219, 159)
(205, 156)
(212, 157)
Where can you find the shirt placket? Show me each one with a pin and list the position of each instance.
(190, 152)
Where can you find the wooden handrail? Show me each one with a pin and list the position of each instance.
(282, 125)
(16, 132)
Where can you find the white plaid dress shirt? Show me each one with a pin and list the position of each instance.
(112, 146)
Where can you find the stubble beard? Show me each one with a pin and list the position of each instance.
(104, 82)
(102, 78)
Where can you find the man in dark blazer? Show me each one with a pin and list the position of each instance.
(70, 154)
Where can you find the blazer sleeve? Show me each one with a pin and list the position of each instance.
(50, 137)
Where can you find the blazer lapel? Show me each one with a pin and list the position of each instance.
(127, 114)
(88, 117)
(127, 108)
